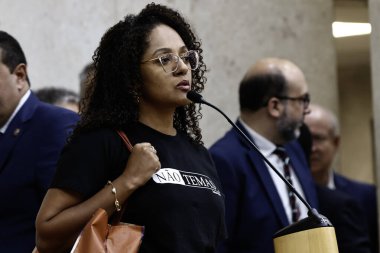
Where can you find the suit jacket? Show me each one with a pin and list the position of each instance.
(29, 150)
(346, 215)
(365, 194)
(254, 211)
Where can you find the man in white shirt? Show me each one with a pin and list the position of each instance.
(274, 99)
(32, 135)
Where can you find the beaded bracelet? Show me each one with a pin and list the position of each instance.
(113, 190)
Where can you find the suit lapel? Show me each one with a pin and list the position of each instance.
(270, 188)
(266, 179)
(16, 129)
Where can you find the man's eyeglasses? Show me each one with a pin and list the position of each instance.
(169, 61)
(305, 99)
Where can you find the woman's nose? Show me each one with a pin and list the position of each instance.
(182, 67)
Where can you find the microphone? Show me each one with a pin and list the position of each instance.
(314, 219)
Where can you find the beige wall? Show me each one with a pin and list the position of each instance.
(59, 38)
(374, 11)
(355, 95)
(356, 151)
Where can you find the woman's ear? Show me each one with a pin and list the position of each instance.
(275, 107)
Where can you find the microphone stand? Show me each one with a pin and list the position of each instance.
(288, 239)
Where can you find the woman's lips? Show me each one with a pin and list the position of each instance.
(184, 85)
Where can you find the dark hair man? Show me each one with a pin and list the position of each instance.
(274, 99)
(32, 135)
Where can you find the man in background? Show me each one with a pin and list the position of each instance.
(324, 128)
(32, 135)
(274, 100)
(343, 211)
(60, 97)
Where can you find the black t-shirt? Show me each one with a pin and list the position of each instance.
(181, 206)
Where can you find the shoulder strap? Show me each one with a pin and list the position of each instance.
(116, 217)
(125, 139)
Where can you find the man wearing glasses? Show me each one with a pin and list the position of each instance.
(274, 100)
(324, 129)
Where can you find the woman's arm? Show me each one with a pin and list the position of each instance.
(63, 214)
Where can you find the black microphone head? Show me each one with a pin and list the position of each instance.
(314, 220)
(195, 97)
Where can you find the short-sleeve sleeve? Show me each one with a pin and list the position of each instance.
(89, 160)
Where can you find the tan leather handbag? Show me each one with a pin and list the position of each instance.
(100, 237)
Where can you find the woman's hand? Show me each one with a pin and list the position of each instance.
(142, 164)
(63, 214)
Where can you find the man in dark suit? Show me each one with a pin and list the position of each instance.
(32, 135)
(274, 99)
(346, 215)
(343, 211)
(324, 128)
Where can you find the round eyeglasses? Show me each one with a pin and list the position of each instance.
(170, 61)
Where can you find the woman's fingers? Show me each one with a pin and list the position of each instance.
(142, 163)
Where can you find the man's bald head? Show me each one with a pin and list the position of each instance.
(323, 116)
(268, 77)
(274, 99)
(324, 129)
(267, 66)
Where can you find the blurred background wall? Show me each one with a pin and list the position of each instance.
(374, 13)
(59, 38)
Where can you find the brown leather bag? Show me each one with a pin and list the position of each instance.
(100, 237)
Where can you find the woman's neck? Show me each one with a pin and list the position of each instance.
(158, 117)
(159, 122)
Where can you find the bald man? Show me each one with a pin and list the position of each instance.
(324, 128)
(274, 100)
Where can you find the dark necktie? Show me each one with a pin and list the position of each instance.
(280, 152)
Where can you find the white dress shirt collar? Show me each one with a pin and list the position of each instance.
(18, 107)
(266, 147)
(330, 182)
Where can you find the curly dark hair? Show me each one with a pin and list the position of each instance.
(110, 98)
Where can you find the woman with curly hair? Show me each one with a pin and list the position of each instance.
(143, 69)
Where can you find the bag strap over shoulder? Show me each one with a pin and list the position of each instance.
(116, 217)
(125, 139)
